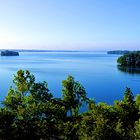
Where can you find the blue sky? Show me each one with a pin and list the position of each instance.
(70, 24)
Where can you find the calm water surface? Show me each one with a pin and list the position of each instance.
(96, 71)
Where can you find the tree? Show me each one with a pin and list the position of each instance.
(128, 96)
(30, 111)
(91, 104)
(23, 82)
(40, 92)
(74, 95)
(127, 113)
(35, 111)
(137, 99)
(131, 59)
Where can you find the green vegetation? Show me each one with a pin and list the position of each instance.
(131, 60)
(30, 111)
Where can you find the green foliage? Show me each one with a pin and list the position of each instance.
(40, 92)
(23, 81)
(137, 130)
(138, 102)
(91, 104)
(30, 111)
(35, 111)
(130, 59)
(74, 95)
(128, 96)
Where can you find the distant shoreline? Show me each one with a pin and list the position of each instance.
(122, 52)
(22, 50)
(107, 51)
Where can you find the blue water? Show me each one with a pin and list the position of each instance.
(96, 71)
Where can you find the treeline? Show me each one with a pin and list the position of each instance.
(130, 60)
(122, 52)
(30, 111)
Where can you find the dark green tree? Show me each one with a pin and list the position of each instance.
(128, 96)
(36, 112)
(74, 95)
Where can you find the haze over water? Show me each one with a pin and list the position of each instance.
(96, 71)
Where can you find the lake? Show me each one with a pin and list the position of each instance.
(96, 71)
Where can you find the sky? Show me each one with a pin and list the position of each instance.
(70, 24)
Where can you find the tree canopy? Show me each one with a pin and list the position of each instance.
(30, 111)
(130, 59)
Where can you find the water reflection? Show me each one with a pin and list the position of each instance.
(128, 69)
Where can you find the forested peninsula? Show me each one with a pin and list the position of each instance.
(30, 111)
(130, 59)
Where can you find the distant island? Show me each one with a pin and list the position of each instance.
(9, 53)
(131, 59)
(122, 52)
